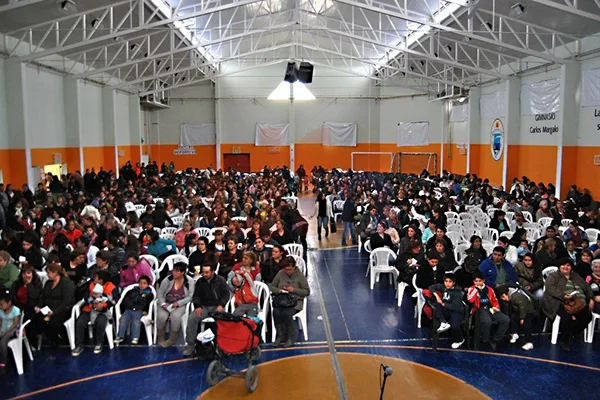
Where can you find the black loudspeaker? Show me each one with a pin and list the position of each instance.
(305, 72)
(291, 73)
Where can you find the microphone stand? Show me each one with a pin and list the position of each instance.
(383, 385)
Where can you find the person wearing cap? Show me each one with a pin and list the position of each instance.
(563, 285)
(521, 314)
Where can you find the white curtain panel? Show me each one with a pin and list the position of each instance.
(590, 88)
(272, 134)
(540, 97)
(413, 134)
(197, 134)
(459, 112)
(339, 133)
(493, 105)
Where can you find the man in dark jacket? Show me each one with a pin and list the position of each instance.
(449, 305)
(348, 219)
(211, 293)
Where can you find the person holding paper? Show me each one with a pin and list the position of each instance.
(563, 286)
(58, 296)
(174, 294)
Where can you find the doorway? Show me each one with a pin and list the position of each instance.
(239, 162)
(55, 169)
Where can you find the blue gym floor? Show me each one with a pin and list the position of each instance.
(362, 320)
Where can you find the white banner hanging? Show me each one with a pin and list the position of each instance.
(272, 134)
(339, 133)
(413, 134)
(459, 112)
(540, 97)
(493, 105)
(590, 88)
(197, 134)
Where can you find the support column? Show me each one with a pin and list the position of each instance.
(73, 118)
(136, 125)
(512, 125)
(445, 117)
(292, 128)
(218, 123)
(568, 117)
(109, 111)
(473, 124)
(18, 123)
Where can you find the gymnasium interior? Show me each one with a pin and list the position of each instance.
(499, 98)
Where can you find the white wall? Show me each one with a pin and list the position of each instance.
(91, 115)
(123, 124)
(192, 104)
(408, 109)
(3, 125)
(486, 124)
(45, 108)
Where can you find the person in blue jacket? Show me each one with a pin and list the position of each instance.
(497, 270)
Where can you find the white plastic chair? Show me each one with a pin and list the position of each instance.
(379, 263)
(70, 327)
(488, 247)
(177, 221)
(91, 256)
(17, 343)
(301, 264)
(264, 295)
(453, 221)
(592, 234)
(507, 234)
(167, 236)
(490, 234)
(533, 234)
(147, 321)
(456, 237)
(420, 301)
(547, 271)
(338, 206)
(368, 246)
(222, 229)
(459, 252)
(294, 249)
(169, 231)
(465, 216)
(565, 222)
(510, 216)
(202, 231)
(527, 216)
(400, 288)
(545, 222)
(455, 228)
(170, 261)
(451, 214)
(140, 208)
(153, 261)
(588, 334)
(239, 219)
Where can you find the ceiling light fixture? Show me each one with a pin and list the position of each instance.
(448, 48)
(95, 22)
(486, 25)
(517, 10)
(292, 87)
(67, 6)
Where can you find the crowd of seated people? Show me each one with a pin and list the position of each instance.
(84, 240)
(492, 242)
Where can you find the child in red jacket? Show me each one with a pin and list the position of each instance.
(483, 299)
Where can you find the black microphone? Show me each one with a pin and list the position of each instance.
(387, 371)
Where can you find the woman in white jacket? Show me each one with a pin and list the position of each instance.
(323, 211)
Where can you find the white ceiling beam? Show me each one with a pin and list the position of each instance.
(182, 50)
(570, 9)
(188, 68)
(19, 4)
(408, 17)
(128, 31)
(426, 56)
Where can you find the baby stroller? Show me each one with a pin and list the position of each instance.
(235, 336)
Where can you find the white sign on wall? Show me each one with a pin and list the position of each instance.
(497, 139)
